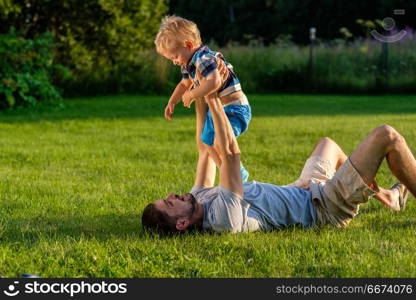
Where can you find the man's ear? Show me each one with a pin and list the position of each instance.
(182, 223)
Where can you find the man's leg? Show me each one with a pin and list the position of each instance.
(322, 163)
(385, 142)
(332, 152)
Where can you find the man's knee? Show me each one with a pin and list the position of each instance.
(387, 135)
(326, 141)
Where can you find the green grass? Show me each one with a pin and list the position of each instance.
(73, 184)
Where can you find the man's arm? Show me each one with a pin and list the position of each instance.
(208, 85)
(205, 170)
(227, 146)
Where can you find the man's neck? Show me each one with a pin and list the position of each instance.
(198, 216)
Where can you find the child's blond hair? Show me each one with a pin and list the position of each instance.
(174, 31)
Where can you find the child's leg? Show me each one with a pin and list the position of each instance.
(208, 138)
(213, 153)
(208, 134)
(244, 173)
(239, 116)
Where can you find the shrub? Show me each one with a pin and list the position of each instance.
(26, 67)
(338, 67)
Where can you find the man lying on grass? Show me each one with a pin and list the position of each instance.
(329, 191)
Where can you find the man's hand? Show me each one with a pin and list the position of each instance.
(169, 110)
(187, 99)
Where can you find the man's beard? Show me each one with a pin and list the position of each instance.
(193, 202)
(194, 206)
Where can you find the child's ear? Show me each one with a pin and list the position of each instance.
(189, 45)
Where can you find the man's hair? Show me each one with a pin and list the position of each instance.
(158, 221)
(174, 31)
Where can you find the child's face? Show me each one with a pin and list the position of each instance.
(179, 56)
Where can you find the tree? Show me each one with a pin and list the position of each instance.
(89, 34)
(236, 20)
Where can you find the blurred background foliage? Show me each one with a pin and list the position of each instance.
(267, 20)
(91, 47)
(25, 71)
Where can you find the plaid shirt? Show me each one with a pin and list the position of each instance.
(204, 63)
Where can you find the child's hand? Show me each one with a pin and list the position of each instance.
(187, 99)
(169, 110)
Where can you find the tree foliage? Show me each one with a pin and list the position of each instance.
(89, 33)
(25, 71)
(266, 20)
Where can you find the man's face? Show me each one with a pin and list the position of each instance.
(179, 56)
(177, 205)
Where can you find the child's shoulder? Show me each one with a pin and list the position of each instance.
(206, 51)
(206, 54)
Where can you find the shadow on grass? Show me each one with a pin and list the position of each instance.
(101, 228)
(128, 226)
(133, 107)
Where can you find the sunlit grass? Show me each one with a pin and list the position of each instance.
(73, 184)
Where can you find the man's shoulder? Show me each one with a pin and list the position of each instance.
(203, 193)
(226, 211)
(200, 191)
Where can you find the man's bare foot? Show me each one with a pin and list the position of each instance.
(400, 194)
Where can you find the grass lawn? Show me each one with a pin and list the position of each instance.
(75, 181)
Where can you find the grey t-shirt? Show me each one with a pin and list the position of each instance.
(265, 206)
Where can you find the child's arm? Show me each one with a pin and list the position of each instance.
(176, 97)
(208, 86)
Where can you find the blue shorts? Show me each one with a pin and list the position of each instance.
(239, 116)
